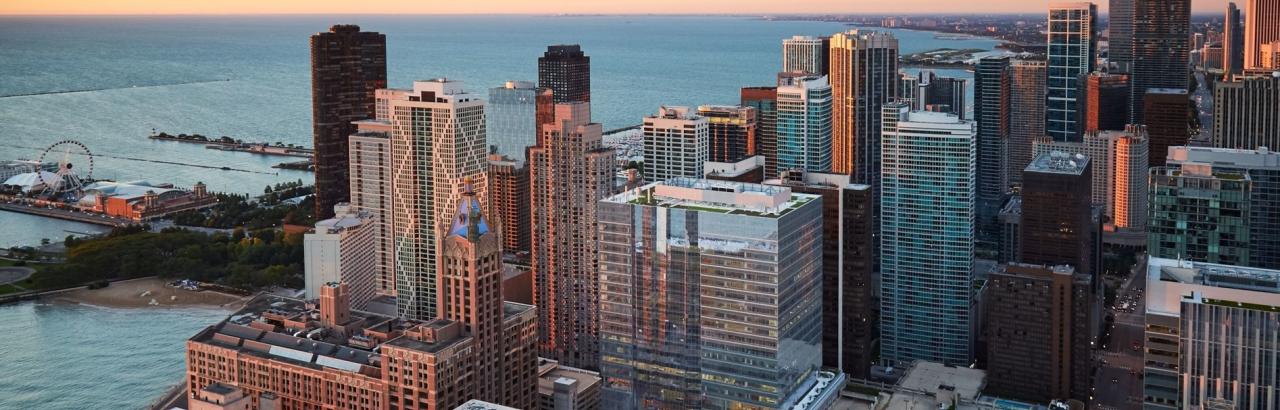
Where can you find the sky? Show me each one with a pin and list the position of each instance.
(538, 6)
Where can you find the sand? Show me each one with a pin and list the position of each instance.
(128, 294)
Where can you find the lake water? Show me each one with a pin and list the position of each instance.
(248, 77)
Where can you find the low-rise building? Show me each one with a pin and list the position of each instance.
(562, 387)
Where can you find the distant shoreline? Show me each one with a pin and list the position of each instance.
(128, 295)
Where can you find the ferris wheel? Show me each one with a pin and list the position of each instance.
(75, 166)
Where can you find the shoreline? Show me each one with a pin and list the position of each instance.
(143, 292)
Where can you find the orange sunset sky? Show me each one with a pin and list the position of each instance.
(536, 6)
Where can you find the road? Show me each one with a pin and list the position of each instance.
(1204, 99)
(1118, 382)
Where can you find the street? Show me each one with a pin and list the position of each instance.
(1118, 382)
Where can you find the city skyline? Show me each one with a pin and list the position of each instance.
(401, 7)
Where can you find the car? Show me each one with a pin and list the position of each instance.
(1115, 380)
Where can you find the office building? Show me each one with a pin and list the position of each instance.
(1261, 27)
(1200, 213)
(675, 144)
(1167, 112)
(438, 142)
(805, 54)
(1073, 46)
(1246, 113)
(1039, 333)
(509, 201)
(1263, 169)
(1271, 56)
(941, 94)
(569, 171)
(848, 305)
(804, 123)
(1010, 229)
(1057, 219)
(347, 67)
(1232, 42)
(684, 322)
(566, 71)
(731, 132)
(927, 207)
(1120, 35)
(1161, 47)
(765, 101)
(370, 161)
(1211, 336)
(1027, 80)
(991, 110)
(510, 119)
(1104, 102)
(562, 387)
(342, 249)
(1119, 161)
(863, 77)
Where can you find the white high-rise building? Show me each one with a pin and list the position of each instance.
(369, 160)
(804, 54)
(437, 146)
(927, 201)
(342, 249)
(675, 144)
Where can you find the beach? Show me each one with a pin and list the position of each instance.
(130, 294)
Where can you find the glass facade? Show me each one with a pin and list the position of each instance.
(927, 236)
(804, 124)
(706, 306)
(1072, 46)
(510, 118)
(1201, 218)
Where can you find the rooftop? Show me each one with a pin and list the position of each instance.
(1262, 157)
(929, 385)
(1059, 162)
(735, 198)
(1171, 282)
(474, 404)
(551, 371)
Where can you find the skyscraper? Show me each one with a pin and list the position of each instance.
(848, 305)
(1104, 102)
(370, 162)
(1119, 161)
(731, 132)
(1200, 213)
(991, 110)
(1260, 168)
(805, 54)
(1026, 93)
(1232, 42)
(765, 102)
(1120, 35)
(1038, 332)
(1057, 218)
(864, 73)
(1211, 329)
(675, 144)
(509, 201)
(438, 142)
(347, 67)
(566, 70)
(804, 123)
(471, 293)
(1161, 47)
(1246, 113)
(569, 171)
(1073, 43)
(510, 119)
(941, 94)
(1167, 113)
(342, 249)
(926, 250)
(1261, 27)
(685, 324)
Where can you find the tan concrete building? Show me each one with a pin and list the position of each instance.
(566, 388)
(569, 172)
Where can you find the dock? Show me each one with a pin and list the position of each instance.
(64, 214)
(229, 144)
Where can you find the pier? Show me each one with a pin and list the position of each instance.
(226, 143)
(69, 215)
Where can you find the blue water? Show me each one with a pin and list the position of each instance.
(79, 357)
(85, 357)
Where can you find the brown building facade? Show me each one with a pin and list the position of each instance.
(566, 71)
(1104, 102)
(509, 201)
(1057, 224)
(731, 132)
(1167, 113)
(765, 101)
(347, 67)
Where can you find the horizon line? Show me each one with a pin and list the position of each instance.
(649, 14)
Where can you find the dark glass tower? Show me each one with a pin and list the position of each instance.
(991, 111)
(1104, 102)
(347, 67)
(566, 70)
(1166, 111)
(1057, 216)
(1232, 42)
(1161, 43)
(1120, 37)
(765, 101)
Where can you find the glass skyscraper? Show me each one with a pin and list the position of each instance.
(927, 236)
(804, 123)
(710, 295)
(1073, 43)
(510, 118)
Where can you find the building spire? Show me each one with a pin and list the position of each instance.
(469, 222)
